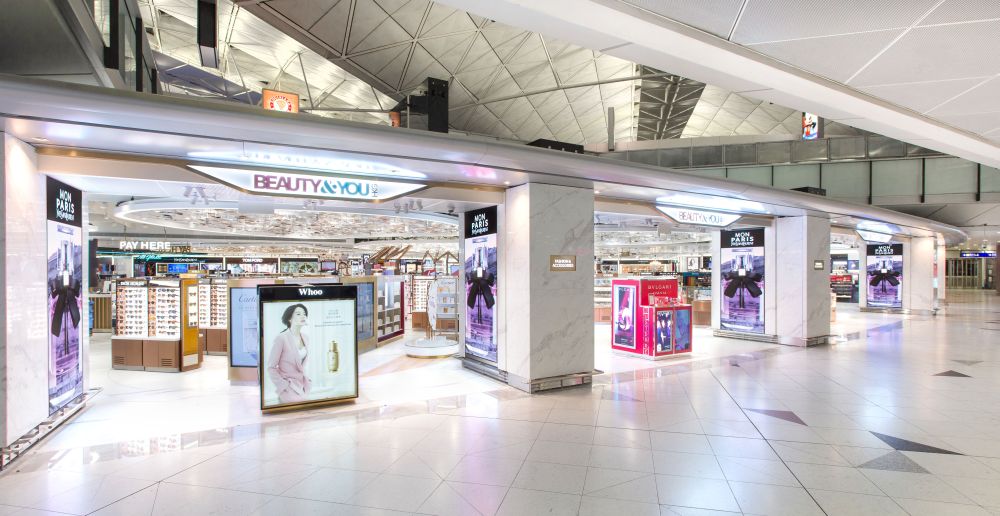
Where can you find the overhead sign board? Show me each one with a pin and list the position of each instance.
(314, 186)
(274, 100)
(699, 217)
(978, 254)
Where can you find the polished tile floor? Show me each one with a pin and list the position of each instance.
(901, 416)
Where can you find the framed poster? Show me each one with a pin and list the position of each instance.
(682, 330)
(244, 331)
(623, 310)
(742, 269)
(65, 291)
(308, 345)
(481, 284)
(885, 275)
(662, 332)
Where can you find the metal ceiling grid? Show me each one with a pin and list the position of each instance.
(931, 56)
(505, 82)
(254, 55)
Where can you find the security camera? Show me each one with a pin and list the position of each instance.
(451, 209)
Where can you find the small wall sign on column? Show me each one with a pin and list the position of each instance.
(742, 269)
(481, 284)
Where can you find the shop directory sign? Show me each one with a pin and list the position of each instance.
(65, 286)
(308, 344)
(885, 275)
(481, 284)
(742, 268)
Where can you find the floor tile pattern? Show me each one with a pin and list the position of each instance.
(863, 426)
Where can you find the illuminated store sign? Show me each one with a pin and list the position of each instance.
(978, 254)
(274, 100)
(308, 185)
(152, 246)
(702, 218)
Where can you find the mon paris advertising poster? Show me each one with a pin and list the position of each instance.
(481, 284)
(885, 275)
(308, 344)
(742, 269)
(65, 296)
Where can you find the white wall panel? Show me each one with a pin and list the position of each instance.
(950, 176)
(753, 175)
(896, 178)
(796, 176)
(24, 348)
(846, 180)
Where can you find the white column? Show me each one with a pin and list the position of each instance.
(941, 263)
(24, 344)
(548, 321)
(918, 274)
(802, 290)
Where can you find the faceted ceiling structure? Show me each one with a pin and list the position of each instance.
(354, 60)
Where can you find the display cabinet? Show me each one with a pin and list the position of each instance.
(602, 300)
(419, 286)
(147, 326)
(367, 329)
(442, 307)
(213, 316)
(391, 303)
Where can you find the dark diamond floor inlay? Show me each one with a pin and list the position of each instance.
(906, 445)
(953, 373)
(968, 362)
(894, 461)
(787, 415)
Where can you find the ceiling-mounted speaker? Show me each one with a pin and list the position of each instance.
(208, 36)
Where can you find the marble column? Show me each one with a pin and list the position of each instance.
(940, 265)
(24, 360)
(918, 274)
(547, 325)
(802, 290)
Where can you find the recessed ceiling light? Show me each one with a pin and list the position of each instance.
(506, 182)
(40, 139)
(597, 192)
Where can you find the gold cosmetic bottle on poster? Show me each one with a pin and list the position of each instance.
(333, 357)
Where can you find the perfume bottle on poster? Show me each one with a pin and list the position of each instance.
(333, 357)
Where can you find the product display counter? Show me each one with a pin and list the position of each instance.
(648, 320)
(213, 316)
(101, 312)
(147, 327)
(661, 331)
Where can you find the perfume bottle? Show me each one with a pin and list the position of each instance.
(333, 357)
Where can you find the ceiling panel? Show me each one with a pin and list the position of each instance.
(779, 20)
(835, 57)
(716, 17)
(922, 96)
(984, 97)
(937, 52)
(955, 11)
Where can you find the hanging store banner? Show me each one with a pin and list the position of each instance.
(308, 345)
(65, 292)
(313, 186)
(274, 100)
(885, 275)
(742, 269)
(481, 284)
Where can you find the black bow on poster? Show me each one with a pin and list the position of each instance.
(748, 283)
(881, 278)
(66, 297)
(480, 287)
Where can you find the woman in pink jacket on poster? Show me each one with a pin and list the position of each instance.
(286, 363)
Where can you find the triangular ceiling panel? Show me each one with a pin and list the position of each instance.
(445, 20)
(409, 14)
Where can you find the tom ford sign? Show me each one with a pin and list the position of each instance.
(699, 217)
(316, 186)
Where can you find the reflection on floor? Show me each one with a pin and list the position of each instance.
(900, 416)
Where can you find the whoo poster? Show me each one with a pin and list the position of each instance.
(742, 268)
(885, 276)
(481, 284)
(65, 289)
